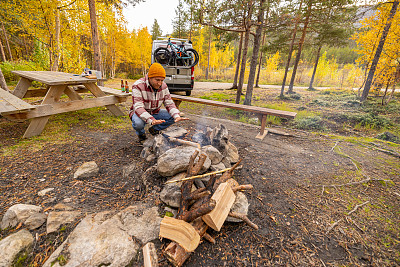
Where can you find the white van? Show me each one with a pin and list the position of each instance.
(178, 78)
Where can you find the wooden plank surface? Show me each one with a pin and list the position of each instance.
(259, 110)
(11, 103)
(61, 107)
(112, 91)
(53, 77)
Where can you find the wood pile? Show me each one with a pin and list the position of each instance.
(205, 207)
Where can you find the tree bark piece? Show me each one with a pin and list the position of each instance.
(181, 232)
(150, 255)
(242, 187)
(224, 198)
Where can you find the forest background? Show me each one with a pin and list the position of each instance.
(304, 42)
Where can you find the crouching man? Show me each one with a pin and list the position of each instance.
(148, 94)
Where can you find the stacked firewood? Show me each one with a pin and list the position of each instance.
(205, 207)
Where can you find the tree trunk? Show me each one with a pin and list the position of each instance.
(378, 52)
(290, 52)
(260, 63)
(3, 83)
(315, 68)
(95, 37)
(7, 43)
(243, 66)
(3, 56)
(235, 80)
(256, 49)
(209, 53)
(56, 53)
(300, 47)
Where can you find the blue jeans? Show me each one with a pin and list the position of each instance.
(138, 124)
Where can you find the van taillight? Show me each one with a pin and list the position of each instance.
(192, 73)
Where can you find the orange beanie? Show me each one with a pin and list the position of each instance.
(156, 70)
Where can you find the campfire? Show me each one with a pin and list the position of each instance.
(205, 200)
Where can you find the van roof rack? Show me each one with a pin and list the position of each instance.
(172, 39)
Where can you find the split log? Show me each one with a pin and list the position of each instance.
(224, 198)
(150, 255)
(181, 232)
(226, 176)
(176, 254)
(204, 209)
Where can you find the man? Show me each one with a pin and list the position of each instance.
(148, 94)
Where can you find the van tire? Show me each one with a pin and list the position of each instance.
(188, 92)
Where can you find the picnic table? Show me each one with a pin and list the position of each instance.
(58, 83)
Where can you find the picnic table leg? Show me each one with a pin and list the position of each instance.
(72, 94)
(37, 124)
(96, 91)
(263, 132)
(22, 87)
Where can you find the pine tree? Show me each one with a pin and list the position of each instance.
(155, 30)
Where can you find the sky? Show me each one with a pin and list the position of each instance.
(144, 13)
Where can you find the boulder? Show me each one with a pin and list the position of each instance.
(58, 218)
(171, 193)
(219, 138)
(231, 153)
(175, 131)
(213, 153)
(241, 205)
(161, 145)
(86, 170)
(218, 167)
(14, 245)
(141, 221)
(201, 139)
(176, 160)
(98, 240)
(35, 221)
(43, 192)
(18, 213)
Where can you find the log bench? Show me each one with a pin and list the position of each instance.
(261, 112)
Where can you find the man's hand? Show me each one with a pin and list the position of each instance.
(155, 122)
(181, 119)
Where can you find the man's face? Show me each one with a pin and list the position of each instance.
(156, 82)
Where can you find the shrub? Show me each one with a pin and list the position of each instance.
(371, 120)
(7, 67)
(310, 123)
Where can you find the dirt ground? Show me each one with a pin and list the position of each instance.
(301, 221)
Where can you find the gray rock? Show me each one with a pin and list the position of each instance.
(44, 192)
(201, 138)
(142, 222)
(146, 151)
(161, 145)
(18, 213)
(226, 162)
(175, 131)
(151, 157)
(213, 153)
(13, 245)
(219, 138)
(149, 175)
(97, 240)
(176, 160)
(58, 218)
(171, 193)
(218, 167)
(127, 170)
(232, 153)
(62, 207)
(67, 200)
(86, 170)
(241, 205)
(35, 221)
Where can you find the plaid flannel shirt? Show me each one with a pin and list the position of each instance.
(147, 101)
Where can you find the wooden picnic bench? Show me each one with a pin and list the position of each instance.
(261, 112)
(58, 83)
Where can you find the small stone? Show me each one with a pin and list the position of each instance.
(62, 207)
(18, 213)
(232, 153)
(42, 180)
(86, 170)
(151, 157)
(127, 170)
(35, 221)
(213, 153)
(58, 218)
(67, 200)
(45, 191)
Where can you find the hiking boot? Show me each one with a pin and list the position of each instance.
(153, 131)
(142, 137)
